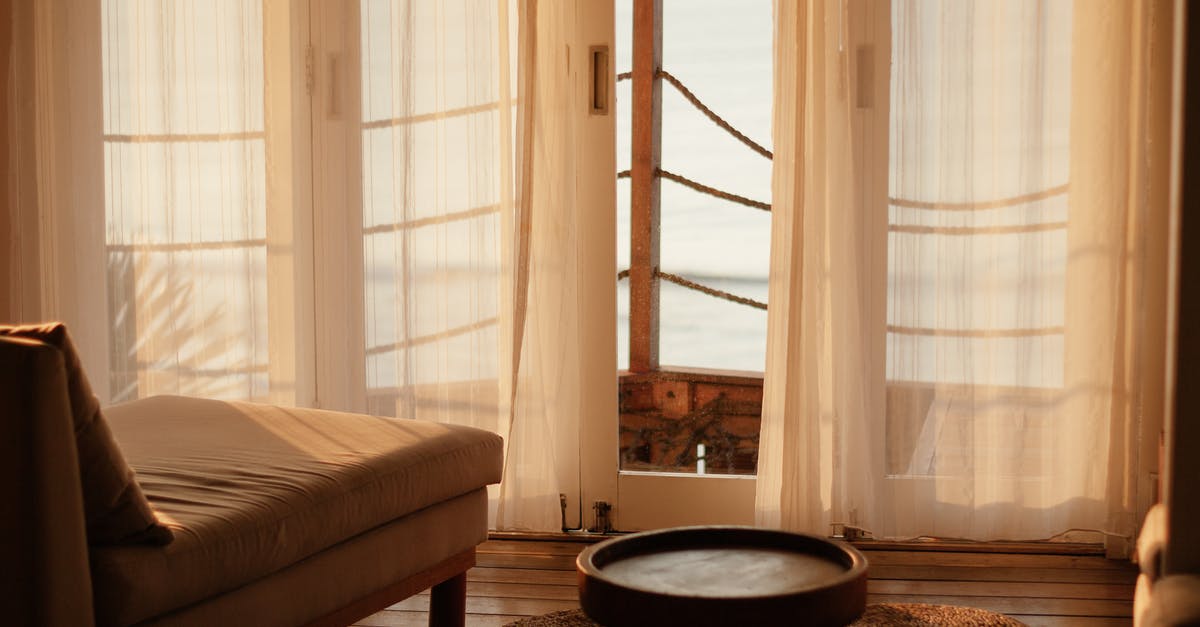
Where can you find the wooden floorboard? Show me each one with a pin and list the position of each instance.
(522, 590)
(1002, 589)
(515, 578)
(522, 575)
(1072, 621)
(1028, 575)
(401, 618)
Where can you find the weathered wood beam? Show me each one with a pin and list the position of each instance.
(645, 185)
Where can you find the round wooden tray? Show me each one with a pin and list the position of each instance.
(721, 576)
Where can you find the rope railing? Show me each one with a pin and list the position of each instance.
(980, 205)
(704, 189)
(718, 120)
(896, 202)
(711, 291)
(712, 191)
(699, 287)
(703, 108)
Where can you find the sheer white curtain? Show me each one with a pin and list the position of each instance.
(543, 459)
(469, 233)
(959, 317)
(185, 198)
(53, 202)
(180, 217)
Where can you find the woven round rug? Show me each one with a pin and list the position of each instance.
(877, 615)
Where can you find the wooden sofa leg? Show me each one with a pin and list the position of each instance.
(448, 602)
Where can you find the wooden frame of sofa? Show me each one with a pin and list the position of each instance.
(447, 605)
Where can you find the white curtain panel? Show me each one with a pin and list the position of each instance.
(543, 460)
(53, 193)
(375, 222)
(959, 321)
(470, 233)
(185, 198)
(440, 106)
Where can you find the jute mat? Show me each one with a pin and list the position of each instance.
(877, 615)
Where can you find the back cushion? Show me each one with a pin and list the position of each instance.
(116, 510)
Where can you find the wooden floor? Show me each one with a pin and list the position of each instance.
(517, 578)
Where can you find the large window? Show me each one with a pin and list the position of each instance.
(431, 181)
(303, 200)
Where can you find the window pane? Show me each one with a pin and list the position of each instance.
(185, 196)
(979, 197)
(434, 176)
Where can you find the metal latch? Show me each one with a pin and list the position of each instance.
(603, 524)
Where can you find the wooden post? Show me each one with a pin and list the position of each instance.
(644, 185)
(448, 602)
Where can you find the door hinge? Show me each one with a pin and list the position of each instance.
(310, 70)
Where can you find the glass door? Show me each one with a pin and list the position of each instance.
(694, 185)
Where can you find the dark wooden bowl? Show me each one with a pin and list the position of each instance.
(721, 576)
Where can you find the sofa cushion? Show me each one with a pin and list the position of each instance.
(114, 507)
(249, 489)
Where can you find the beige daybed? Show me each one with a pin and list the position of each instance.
(251, 515)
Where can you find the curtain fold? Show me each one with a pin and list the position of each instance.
(468, 239)
(817, 400)
(54, 259)
(959, 321)
(543, 435)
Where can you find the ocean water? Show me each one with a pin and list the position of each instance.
(722, 52)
